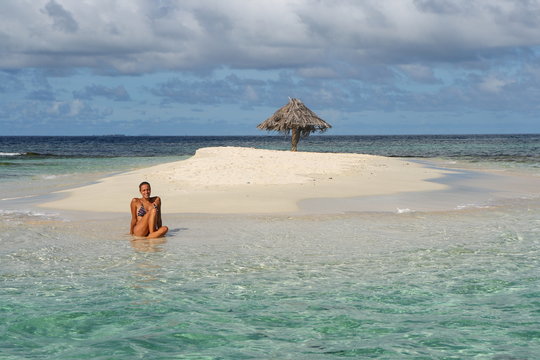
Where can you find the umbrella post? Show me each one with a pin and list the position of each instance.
(295, 138)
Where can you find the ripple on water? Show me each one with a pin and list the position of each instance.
(365, 286)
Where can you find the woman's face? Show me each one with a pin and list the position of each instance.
(145, 191)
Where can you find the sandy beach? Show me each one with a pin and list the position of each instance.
(236, 180)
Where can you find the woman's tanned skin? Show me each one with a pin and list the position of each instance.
(148, 224)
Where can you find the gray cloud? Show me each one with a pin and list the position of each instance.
(138, 36)
(514, 89)
(442, 6)
(229, 90)
(62, 19)
(41, 95)
(118, 93)
(60, 117)
(345, 56)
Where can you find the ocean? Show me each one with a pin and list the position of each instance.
(456, 283)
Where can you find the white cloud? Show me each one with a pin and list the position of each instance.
(75, 107)
(54, 109)
(135, 36)
(67, 108)
(349, 56)
(251, 94)
(420, 73)
(493, 84)
(317, 72)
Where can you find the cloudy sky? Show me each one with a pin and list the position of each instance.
(216, 67)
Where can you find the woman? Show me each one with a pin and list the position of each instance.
(146, 214)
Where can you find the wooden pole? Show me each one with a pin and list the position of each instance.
(294, 139)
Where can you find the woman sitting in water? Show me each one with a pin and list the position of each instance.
(146, 214)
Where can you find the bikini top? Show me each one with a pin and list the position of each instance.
(141, 211)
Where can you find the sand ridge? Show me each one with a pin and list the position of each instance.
(232, 180)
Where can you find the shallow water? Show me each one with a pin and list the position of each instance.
(427, 285)
(446, 283)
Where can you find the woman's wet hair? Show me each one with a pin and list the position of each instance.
(144, 183)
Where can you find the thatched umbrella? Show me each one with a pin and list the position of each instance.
(294, 117)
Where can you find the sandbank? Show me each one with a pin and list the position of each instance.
(237, 180)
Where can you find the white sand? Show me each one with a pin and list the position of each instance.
(244, 180)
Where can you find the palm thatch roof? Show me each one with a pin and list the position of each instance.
(294, 116)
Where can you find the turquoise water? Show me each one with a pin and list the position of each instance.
(457, 284)
(361, 286)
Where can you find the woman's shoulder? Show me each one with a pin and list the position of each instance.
(135, 200)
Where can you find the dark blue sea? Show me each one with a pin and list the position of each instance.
(512, 148)
(456, 284)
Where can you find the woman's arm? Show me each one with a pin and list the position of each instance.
(158, 207)
(133, 206)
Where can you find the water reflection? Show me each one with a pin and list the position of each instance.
(148, 245)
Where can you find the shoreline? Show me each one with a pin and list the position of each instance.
(237, 180)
